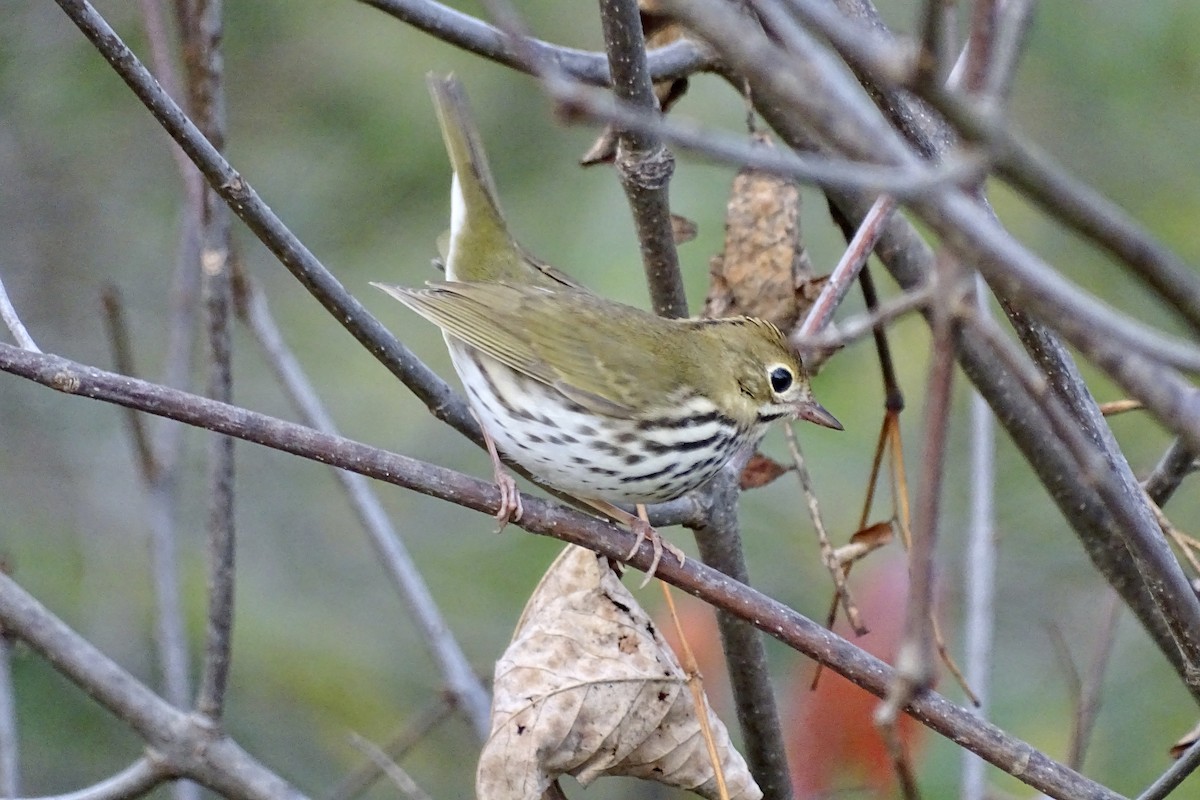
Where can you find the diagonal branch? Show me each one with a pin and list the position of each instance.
(158, 722)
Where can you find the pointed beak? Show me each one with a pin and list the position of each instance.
(813, 411)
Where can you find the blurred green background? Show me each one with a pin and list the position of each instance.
(329, 120)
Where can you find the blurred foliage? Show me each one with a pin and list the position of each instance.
(328, 119)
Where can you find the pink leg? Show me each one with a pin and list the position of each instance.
(510, 499)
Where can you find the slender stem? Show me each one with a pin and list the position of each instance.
(849, 267)
(645, 166)
(12, 321)
(676, 60)
(138, 779)
(10, 770)
(580, 103)
(979, 572)
(363, 777)
(122, 353)
(202, 29)
(1176, 464)
(1166, 783)
(720, 544)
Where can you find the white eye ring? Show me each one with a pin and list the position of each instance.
(781, 378)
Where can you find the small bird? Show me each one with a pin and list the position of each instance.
(597, 399)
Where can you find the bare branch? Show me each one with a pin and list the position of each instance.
(122, 354)
(8, 315)
(361, 779)
(1169, 780)
(400, 778)
(154, 719)
(183, 745)
(676, 60)
(644, 165)
(202, 29)
(979, 571)
(719, 541)
(10, 771)
(136, 780)
(848, 267)
(1177, 463)
(580, 102)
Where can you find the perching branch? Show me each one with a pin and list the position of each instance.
(158, 723)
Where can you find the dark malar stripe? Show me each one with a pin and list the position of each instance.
(673, 423)
(716, 441)
(765, 418)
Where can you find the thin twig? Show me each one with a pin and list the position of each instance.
(848, 268)
(852, 329)
(113, 688)
(403, 782)
(1092, 685)
(937, 42)
(644, 165)
(12, 321)
(202, 29)
(837, 571)
(461, 681)
(914, 660)
(676, 60)
(363, 777)
(138, 779)
(582, 103)
(979, 570)
(1176, 464)
(122, 353)
(1166, 783)
(10, 769)
(719, 541)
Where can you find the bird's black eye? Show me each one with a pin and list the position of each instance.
(781, 379)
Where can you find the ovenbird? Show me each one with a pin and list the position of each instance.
(594, 398)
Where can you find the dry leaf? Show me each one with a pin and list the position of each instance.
(864, 541)
(1185, 742)
(764, 270)
(588, 687)
(760, 470)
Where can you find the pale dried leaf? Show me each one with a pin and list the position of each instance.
(764, 270)
(1185, 742)
(588, 687)
(864, 541)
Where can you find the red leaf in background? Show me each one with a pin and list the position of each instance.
(831, 737)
